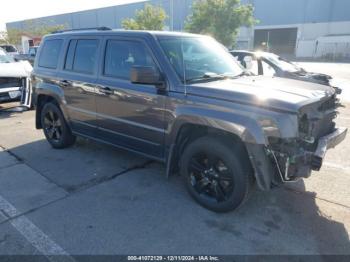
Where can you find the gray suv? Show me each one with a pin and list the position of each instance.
(183, 100)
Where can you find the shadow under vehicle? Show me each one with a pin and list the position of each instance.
(182, 99)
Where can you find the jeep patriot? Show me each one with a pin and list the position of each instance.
(183, 100)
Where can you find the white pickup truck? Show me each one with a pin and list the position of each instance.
(15, 83)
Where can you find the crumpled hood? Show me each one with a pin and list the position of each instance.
(273, 92)
(16, 69)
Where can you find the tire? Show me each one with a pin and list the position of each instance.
(216, 174)
(55, 127)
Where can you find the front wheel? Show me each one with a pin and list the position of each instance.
(215, 175)
(56, 130)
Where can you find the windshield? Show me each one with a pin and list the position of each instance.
(199, 59)
(281, 63)
(5, 58)
(9, 48)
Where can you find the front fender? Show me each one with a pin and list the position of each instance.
(247, 129)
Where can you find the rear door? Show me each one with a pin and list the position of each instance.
(129, 115)
(77, 78)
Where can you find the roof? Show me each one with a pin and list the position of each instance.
(104, 31)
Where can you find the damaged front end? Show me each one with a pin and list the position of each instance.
(288, 159)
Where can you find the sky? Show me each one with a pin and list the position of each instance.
(14, 10)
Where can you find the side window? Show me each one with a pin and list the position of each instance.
(50, 53)
(81, 56)
(267, 69)
(120, 56)
(251, 63)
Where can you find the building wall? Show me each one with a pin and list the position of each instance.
(277, 12)
(313, 18)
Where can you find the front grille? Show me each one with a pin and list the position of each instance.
(6, 82)
(326, 125)
(312, 126)
(323, 126)
(330, 104)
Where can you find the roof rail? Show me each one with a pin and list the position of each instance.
(101, 28)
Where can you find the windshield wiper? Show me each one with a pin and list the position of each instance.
(207, 77)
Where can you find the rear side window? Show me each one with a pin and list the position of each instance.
(81, 56)
(122, 55)
(50, 53)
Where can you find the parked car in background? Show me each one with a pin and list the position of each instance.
(15, 83)
(182, 99)
(10, 50)
(30, 57)
(269, 64)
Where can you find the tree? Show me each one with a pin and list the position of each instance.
(12, 36)
(149, 18)
(220, 19)
(31, 27)
(40, 29)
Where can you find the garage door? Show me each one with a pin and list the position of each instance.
(280, 41)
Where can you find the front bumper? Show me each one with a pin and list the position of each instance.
(23, 93)
(327, 142)
(10, 93)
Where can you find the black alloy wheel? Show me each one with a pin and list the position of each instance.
(56, 130)
(217, 173)
(210, 177)
(52, 126)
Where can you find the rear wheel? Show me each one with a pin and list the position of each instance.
(56, 130)
(215, 175)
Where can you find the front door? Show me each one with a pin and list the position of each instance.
(129, 115)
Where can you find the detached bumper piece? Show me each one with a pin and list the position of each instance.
(26, 97)
(325, 143)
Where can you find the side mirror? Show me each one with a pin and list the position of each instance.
(146, 75)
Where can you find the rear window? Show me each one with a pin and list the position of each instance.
(50, 53)
(82, 55)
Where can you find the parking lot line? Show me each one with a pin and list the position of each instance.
(37, 238)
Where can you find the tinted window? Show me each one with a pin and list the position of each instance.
(85, 56)
(122, 55)
(50, 53)
(9, 48)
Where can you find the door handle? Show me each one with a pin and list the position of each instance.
(65, 83)
(106, 90)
